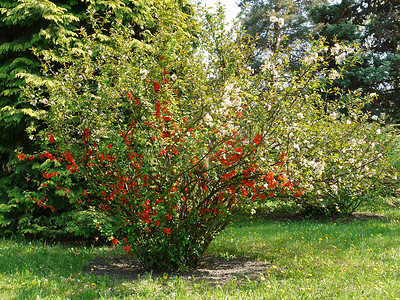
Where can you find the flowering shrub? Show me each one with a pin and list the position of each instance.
(173, 137)
(338, 152)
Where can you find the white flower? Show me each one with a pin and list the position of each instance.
(311, 58)
(266, 66)
(378, 131)
(340, 58)
(44, 101)
(90, 52)
(280, 21)
(334, 74)
(226, 102)
(143, 73)
(333, 115)
(319, 168)
(348, 122)
(349, 49)
(374, 117)
(208, 119)
(250, 69)
(300, 115)
(174, 77)
(334, 188)
(253, 211)
(335, 49)
(296, 147)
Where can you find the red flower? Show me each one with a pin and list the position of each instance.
(167, 231)
(114, 241)
(127, 248)
(51, 138)
(156, 86)
(47, 155)
(21, 156)
(86, 134)
(257, 139)
(297, 194)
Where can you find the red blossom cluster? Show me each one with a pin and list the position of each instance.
(42, 203)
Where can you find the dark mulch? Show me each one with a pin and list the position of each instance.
(212, 269)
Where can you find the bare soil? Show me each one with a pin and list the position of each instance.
(212, 269)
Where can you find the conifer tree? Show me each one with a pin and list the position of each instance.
(41, 25)
(269, 20)
(375, 26)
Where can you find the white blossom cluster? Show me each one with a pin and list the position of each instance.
(279, 21)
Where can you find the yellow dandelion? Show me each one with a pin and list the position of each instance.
(165, 277)
(34, 282)
(93, 284)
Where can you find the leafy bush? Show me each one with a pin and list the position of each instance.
(174, 136)
(42, 25)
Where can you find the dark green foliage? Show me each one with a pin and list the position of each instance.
(256, 15)
(375, 25)
(43, 25)
(23, 25)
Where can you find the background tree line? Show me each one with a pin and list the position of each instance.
(373, 24)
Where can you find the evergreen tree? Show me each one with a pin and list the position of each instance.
(269, 20)
(375, 25)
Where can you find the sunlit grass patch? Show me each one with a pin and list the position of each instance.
(306, 260)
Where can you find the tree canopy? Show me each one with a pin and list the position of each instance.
(375, 26)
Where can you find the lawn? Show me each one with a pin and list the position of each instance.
(337, 258)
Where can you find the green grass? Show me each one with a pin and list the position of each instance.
(310, 260)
